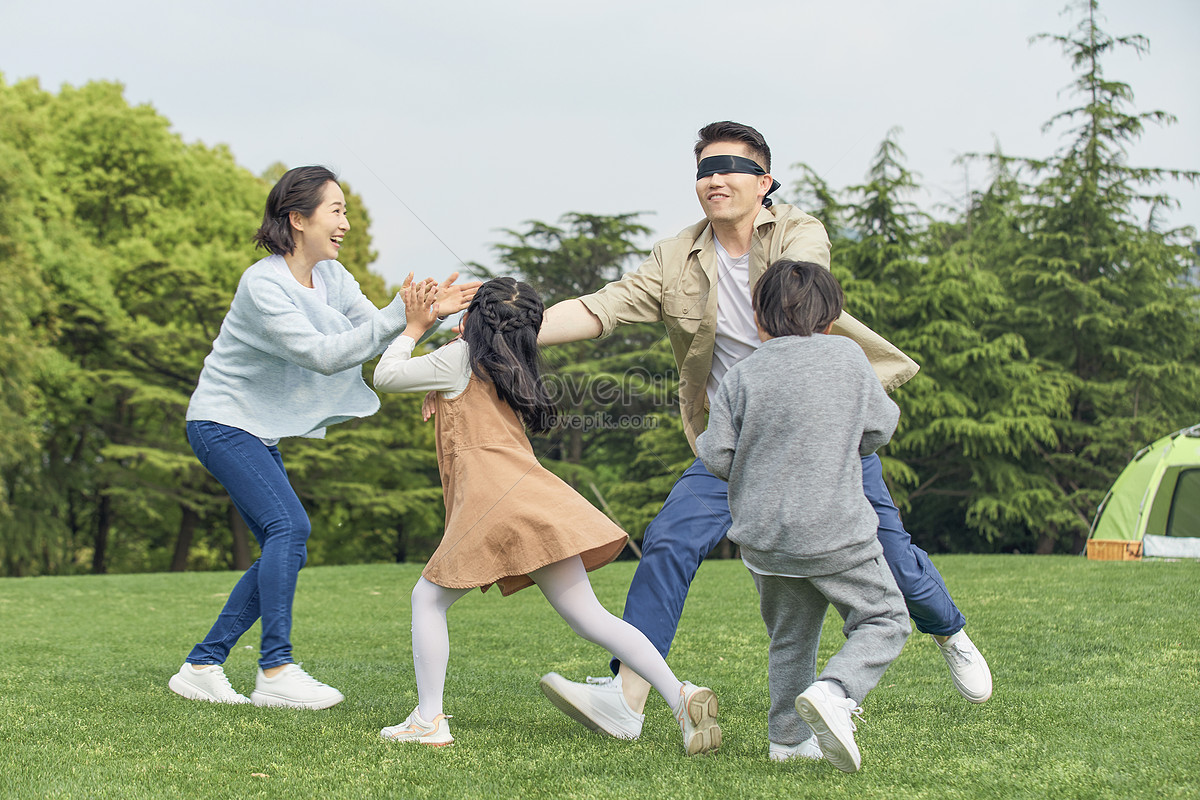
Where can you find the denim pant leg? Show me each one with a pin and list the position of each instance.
(925, 594)
(257, 482)
(693, 520)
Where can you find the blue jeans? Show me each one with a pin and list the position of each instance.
(257, 482)
(694, 519)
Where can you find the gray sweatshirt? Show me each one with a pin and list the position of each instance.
(788, 429)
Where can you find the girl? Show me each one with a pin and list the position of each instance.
(285, 363)
(509, 521)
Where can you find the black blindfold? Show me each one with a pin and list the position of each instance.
(722, 165)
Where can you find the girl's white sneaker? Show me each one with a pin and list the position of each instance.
(415, 729)
(696, 713)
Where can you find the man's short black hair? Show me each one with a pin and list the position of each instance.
(734, 132)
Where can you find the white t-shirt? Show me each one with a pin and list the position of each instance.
(737, 335)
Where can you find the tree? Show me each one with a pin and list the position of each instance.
(976, 401)
(1107, 305)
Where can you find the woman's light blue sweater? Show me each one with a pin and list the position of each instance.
(287, 364)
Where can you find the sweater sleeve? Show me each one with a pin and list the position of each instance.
(282, 329)
(718, 444)
(358, 308)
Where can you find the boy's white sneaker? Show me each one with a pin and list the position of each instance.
(829, 717)
(968, 669)
(415, 729)
(598, 704)
(696, 712)
(806, 749)
(292, 687)
(208, 684)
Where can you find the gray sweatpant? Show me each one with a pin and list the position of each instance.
(876, 626)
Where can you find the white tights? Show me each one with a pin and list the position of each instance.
(565, 584)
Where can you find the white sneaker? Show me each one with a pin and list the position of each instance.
(208, 684)
(968, 669)
(697, 716)
(415, 729)
(598, 704)
(830, 718)
(806, 749)
(292, 687)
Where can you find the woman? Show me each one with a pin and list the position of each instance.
(286, 362)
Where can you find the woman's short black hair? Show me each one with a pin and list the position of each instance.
(797, 298)
(300, 189)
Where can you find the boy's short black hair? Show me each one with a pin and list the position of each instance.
(797, 298)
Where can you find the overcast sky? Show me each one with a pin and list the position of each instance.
(481, 115)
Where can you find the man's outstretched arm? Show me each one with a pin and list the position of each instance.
(568, 321)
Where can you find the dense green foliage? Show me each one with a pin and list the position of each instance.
(122, 246)
(1057, 333)
(1057, 325)
(1095, 693)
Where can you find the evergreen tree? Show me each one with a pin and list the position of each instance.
(1107, 304)
(976, 401)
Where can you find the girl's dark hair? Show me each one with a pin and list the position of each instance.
(796, 298)
(300, 189)
(501, 331)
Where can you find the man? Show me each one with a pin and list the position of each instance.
(699, 284)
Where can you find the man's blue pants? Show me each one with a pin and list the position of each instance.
(694, 519)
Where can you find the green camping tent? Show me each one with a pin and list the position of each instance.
(1155, 502)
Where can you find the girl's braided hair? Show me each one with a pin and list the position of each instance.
(501, 331)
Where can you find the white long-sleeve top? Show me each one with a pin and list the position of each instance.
(446, 370)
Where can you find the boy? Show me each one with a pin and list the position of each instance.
(788, 429)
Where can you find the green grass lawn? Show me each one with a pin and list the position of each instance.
(1096, 666)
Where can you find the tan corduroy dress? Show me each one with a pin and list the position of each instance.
(506, 514)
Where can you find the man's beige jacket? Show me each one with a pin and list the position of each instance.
(677, 282)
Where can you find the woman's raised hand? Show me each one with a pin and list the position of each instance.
(420, 308)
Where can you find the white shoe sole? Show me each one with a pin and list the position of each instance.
(706, 733)
(424, 740)
(264, 700)
(192, 692)
(832, 747)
